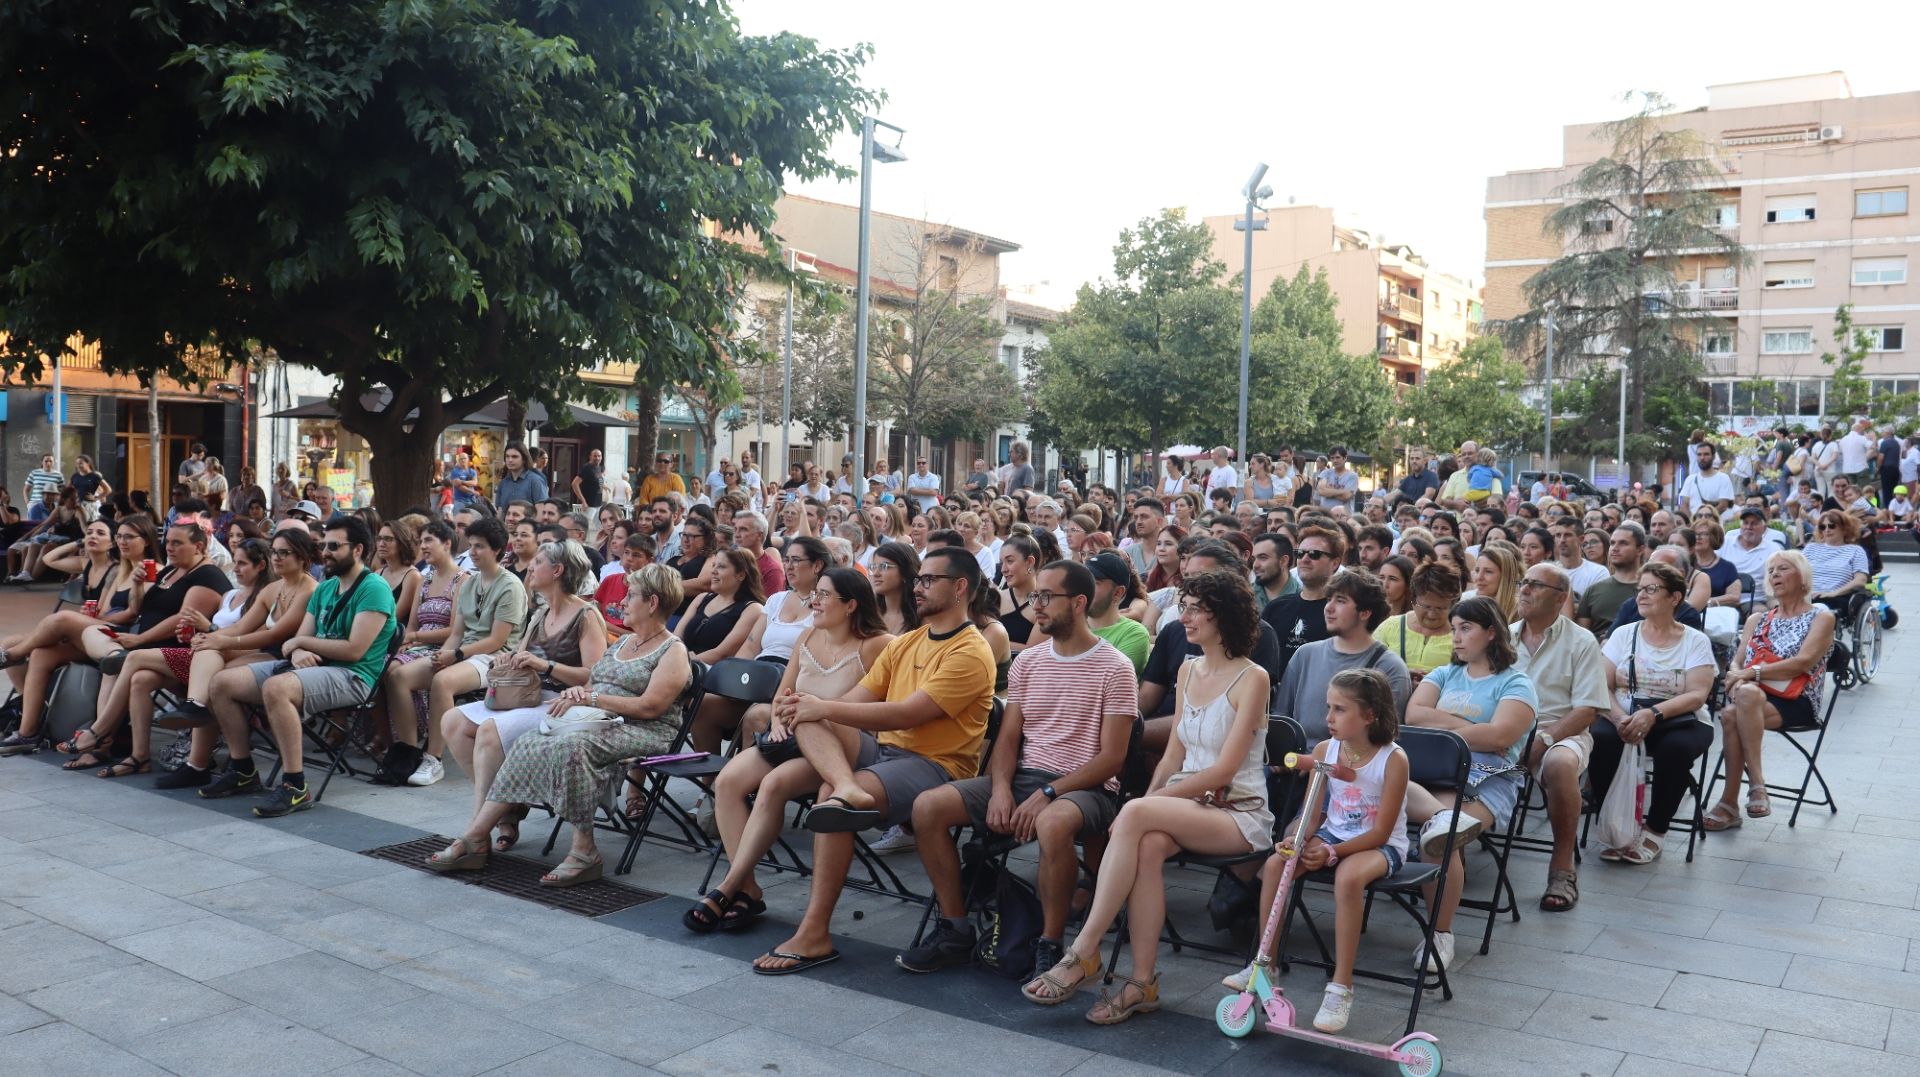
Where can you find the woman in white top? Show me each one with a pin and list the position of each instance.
(979, 541)
(843, 641)
(859, 535)
(775, 628)
(1174, 482)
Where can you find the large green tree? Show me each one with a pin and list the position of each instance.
(1303, 390)
(1635, 226)
(1138, 358)
(1475, 397)
(448, 200)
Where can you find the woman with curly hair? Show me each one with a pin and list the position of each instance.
(1208, 795)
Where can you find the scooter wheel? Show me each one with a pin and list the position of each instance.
(1423, 1059)
(1239, 1027)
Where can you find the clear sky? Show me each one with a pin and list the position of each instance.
(1054, 124)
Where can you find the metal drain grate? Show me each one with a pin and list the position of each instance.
(519, 877)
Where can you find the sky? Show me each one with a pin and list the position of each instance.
(1056, 123)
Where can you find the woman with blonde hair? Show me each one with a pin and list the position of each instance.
(1496, 575)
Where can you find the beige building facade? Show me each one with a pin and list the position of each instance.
(1816, 185)
(1389, 300)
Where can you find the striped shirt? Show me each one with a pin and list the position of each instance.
(40, 480)
(1834, 566)
(1064, 702)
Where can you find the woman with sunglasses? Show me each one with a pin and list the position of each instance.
(842, 642)
(1838, 561)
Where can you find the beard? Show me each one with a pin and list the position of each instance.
(338, 567)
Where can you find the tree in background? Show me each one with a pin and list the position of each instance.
(1633, 222)
(450, 201)
(1476, 397)
(1301, 388)
(1849, 393)
(1140, 357)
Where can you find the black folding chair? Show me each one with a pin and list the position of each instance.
(1499, 845)
(72, 593)
(320, 729)
(1436, 759)
(1693, 825)
(1839, 661)
(653, 788)
(743, 681)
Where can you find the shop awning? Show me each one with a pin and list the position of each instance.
(494, 414)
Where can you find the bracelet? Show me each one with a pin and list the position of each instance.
(593, 698)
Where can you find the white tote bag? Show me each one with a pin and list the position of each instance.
(1624, 808)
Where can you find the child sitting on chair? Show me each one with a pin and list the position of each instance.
(1362, 834)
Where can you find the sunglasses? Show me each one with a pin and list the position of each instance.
(1315, 555)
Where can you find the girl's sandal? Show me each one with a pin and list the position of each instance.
(1759, 807)
(127, 768)
(1059, 989)
(85, 761)
(1722, 816)
(72, 745)
(462, 855)
(1110, 1011)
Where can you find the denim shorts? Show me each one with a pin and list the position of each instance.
(1392, 854)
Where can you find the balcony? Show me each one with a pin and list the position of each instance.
(1402, 306)
(1399, 350)
(1690, 299)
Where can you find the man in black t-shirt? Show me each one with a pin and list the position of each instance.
(1300, 618)
(586, 481)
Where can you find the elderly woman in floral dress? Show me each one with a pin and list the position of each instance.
(630, 708)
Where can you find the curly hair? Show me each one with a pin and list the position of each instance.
(1228, 597)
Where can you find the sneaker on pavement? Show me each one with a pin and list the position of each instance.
(1433, 836)
(1238, 981)
(285, 800)
(1442, 949)
(1047, 953)
(897, 840)
(428, 772)
(946, 947)
(17, 743)
(230, 782)
(1335, 1006)
(185, 776)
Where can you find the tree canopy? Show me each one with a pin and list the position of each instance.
(452, 200)
(1476, 397)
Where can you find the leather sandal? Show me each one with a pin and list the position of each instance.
(462, 855)
(509, 828)
(1109, 1011)
(1060, 988)
(1563, 891)
(1722, 816)
(1759, 806)
(582, 871)
(72, 745)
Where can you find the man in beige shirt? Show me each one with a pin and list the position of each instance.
(1569, 681)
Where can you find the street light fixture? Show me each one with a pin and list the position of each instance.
(870, 152)
(1255, 195)
(786, 358)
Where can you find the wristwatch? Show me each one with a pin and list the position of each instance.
(1333, 856)
(1051, 795)
(459, 654)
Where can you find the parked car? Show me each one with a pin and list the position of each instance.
(1578, 488)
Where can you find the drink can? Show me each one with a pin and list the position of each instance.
(184, 632)
(152, 569)
(91, 607)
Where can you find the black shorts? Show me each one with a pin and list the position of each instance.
(1796, 715)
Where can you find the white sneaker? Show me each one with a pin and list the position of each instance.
(1442, 949)
(1335, 1006)
(1433, 836)
(428, 772)
(1239, 981)
(895, 840)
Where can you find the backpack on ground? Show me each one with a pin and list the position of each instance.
(1008, 929)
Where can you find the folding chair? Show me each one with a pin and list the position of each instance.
(71, 594)
(1436, 759)
(1285, 789)
(1694, 826)
(1499, 845)
(743, 681)
(317, 730)
(1839, 660)
(654, 787)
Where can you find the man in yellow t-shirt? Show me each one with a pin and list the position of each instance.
(916, 721)
(661, 480)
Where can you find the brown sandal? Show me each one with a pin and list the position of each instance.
(1115, 1012)
(1061, 988)
(127, 768)
(1563, 891)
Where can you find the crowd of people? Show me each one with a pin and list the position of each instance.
(546, 643)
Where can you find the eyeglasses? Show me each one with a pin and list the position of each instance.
(1315, 555)
(925, 579)
(1648, 592)
(1437, 611)
(332, 546)
(1043, 598)
(1539, 585)
(1824, 526)
(1192, 609)
(282, 551)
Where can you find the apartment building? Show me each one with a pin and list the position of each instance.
(1815, 184)
(1389, 300)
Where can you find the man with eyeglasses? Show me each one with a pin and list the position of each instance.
(1626, 552)
(1570, 684)
(1355, 604)
(923, 486)
(1053, 776)
(332, 662)
(1300, 618)
(916, 721)
(661, 480)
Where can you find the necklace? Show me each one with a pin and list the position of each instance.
(644, 642)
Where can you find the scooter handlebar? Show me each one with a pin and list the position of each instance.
(1308, 763)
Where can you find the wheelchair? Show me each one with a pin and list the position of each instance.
(1860, 625)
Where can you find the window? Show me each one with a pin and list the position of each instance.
(1886, 387)
(1790, 208)
(1885, 338)
(1757, 397)
(1720, 397)
(1595, 226)
(1786, 341)
(949, 273)
(1788, 275)
(1010, 355)
(1810, 391)
(1717, 342)
(1879, 271)
(1726, 215)
(1891, 202)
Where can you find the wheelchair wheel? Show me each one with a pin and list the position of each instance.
(1866, 642)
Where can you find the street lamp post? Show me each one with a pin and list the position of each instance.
(1620, 450)
(786, 360)
(1549, 371)
(870, 152)
(1255, 193)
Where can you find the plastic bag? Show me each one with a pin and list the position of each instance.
(1625, 805)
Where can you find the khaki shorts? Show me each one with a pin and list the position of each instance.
(1098, 807)
(1581, 746)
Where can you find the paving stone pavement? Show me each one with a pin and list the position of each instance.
(144, 932)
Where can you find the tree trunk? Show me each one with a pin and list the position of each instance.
(516, 419)
(646, 426)
(402, 469)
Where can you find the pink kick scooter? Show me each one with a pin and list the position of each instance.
(1418, 1054)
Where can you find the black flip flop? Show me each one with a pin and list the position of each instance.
(835, 816)
(804, 962)
(743, 912)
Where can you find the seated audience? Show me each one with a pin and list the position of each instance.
(1355, 603)
(1422, 636)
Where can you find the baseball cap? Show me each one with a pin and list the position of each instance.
(1752, 510)
(1109, 566)
(311, 510)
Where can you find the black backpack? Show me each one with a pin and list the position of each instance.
(1008, 929)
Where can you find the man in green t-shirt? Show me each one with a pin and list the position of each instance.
(1601, 601)
(1110, 575)
(330, 664)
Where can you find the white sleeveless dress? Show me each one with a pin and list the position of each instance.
(1202, 731)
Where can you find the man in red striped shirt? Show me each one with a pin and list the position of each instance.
(1053, 775)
